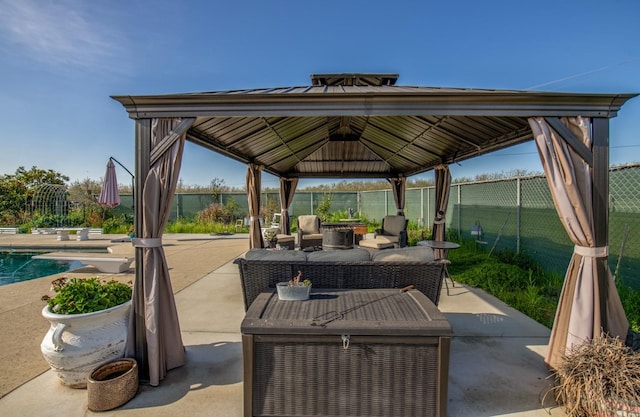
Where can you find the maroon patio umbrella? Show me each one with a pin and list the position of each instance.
(109, 195)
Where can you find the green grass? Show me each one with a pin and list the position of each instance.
(522, 284)
(192, 226)
(631, 302)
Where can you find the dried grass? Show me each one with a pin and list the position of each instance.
(600, 378)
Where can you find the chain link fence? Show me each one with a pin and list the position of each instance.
(516, 214)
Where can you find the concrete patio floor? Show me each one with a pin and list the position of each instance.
(496, 364)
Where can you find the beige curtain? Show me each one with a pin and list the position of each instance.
(254, 176)
(160, 337)
(398, 185)
(287, 191)
(443, 186)
(578, 317)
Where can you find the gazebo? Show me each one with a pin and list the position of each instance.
(366, 126)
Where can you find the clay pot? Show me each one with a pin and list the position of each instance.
(112, 384)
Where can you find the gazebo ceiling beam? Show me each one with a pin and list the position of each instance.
(312, 146)
(340, 174)
(396, 153)
(209, 142)
(518, 137)
(438, 126)
(283, 142)
(431, 127)
(571, 139)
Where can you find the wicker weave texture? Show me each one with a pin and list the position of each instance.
(367, 379)
(112, 384)
(259, 275)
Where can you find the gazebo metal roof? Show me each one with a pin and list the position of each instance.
(363, 125)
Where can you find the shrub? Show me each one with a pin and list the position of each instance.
(414, 235)
(79, 296)
(323, 208)
(49, 220)
(214, 213)
(121, 224)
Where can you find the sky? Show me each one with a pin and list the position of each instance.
(61, 60)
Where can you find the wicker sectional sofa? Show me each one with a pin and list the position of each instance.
(353, 268)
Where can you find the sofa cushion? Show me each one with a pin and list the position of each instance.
(393, 225)
(406, 254)
(275, 255)
(346, 255)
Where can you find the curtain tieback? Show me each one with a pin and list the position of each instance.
(253, 218)
(148, 242)
(439, 220)
(597, 252)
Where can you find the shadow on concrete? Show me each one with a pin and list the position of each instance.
(497, 354)
(207, 365)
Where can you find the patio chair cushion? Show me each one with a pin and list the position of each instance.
(387, 239)
(406, 254)
(375, 244)
(312, 236)
(346, 255)
(275, 255)
(393, 225)
(309, 224)
(284, 238)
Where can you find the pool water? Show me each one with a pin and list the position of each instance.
(18, 267)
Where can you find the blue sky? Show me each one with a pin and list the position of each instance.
(60, 61)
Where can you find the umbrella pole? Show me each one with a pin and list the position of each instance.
(133, 179)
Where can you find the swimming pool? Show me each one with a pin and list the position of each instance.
(17, 266)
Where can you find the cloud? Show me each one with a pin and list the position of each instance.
(61, 34)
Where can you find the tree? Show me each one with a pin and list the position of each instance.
(85, 191)
(12, 200)
(217, 188)
(85, 209)
(16, 192)
(36, 176)
(323, 210)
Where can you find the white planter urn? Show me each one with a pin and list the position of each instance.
(78, 343)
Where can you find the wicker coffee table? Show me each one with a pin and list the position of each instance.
(368, 353)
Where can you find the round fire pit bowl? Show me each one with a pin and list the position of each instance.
(337, 238)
